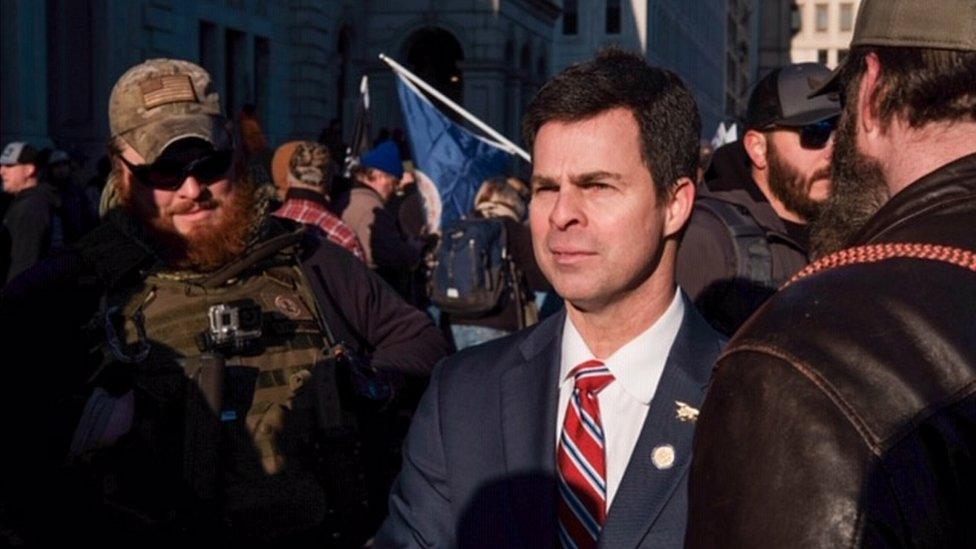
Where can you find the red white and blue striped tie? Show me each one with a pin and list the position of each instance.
(581, 460)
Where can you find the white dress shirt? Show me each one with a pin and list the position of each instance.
(636, 369)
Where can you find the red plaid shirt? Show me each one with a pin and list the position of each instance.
(312, 213)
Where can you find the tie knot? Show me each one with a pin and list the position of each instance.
(591, 376)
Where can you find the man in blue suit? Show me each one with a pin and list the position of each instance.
(578, 432)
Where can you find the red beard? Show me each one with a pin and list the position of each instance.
(209, 246)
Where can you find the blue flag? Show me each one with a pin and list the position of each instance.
(454, 159)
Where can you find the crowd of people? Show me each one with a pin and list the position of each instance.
(217, 341)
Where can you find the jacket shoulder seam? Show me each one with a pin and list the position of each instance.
(870, 438)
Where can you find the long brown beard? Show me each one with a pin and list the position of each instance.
(859, 191)
(208, 247)
(791, 188)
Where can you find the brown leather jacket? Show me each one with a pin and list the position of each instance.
(844, 413)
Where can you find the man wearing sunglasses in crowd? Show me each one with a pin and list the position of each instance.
(749, 231)
(189, 344)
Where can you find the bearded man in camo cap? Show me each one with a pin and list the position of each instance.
(211, 363)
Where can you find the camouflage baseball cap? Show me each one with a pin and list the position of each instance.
(161, 101)
(310, 164)
(280, 163)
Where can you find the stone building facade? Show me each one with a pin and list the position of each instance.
(300, 61)
(779, 22)
(711, 44)
(824, 30)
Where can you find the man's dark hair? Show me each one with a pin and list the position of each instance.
(921, 85)
(660, 102)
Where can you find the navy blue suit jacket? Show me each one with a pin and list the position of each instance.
(479, 461)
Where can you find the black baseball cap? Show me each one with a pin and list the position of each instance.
(18, 152)
(781, 98)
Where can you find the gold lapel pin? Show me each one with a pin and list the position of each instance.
(663, 456)
(686, 412)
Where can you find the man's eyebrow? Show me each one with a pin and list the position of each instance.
(577, 179)
(539, 180)
(589, 177)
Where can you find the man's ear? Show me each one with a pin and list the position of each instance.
(121, 178)
(756, 146)
(678, 209)
(868, 95)
(31, 170)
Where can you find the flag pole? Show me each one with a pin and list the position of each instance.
(361, 131)
(399, 69)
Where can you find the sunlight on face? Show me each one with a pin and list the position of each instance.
(597, 226)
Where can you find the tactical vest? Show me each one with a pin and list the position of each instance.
(238, 419)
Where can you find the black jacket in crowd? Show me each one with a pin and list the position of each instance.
(26, 233)
(843, 414)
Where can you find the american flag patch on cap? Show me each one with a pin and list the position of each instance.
(171, 88)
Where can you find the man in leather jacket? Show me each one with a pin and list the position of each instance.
(844, 412)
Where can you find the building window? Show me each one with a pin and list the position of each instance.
(613, 17)
(841, 56)
(821, 20)
(208, 47)
(570, 16)
(236, 89)
(846, 17)
(822, 57)
(262, 74)
(796, 18)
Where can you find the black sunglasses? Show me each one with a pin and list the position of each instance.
(169, 175)
(816, 135)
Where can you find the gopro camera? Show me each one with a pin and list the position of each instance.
(234, 325)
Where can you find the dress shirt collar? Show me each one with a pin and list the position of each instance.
(638, 365)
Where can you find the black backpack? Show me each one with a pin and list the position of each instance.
(473, 267)
(754, 282)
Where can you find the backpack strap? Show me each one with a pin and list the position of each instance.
(281, 239)
(873, 253)
(753, 257)
(112, 254)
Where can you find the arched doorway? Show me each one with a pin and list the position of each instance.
(433, 54)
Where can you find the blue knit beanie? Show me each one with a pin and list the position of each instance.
(385, 157)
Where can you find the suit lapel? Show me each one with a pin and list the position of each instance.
(529, 397)
(645, 489)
